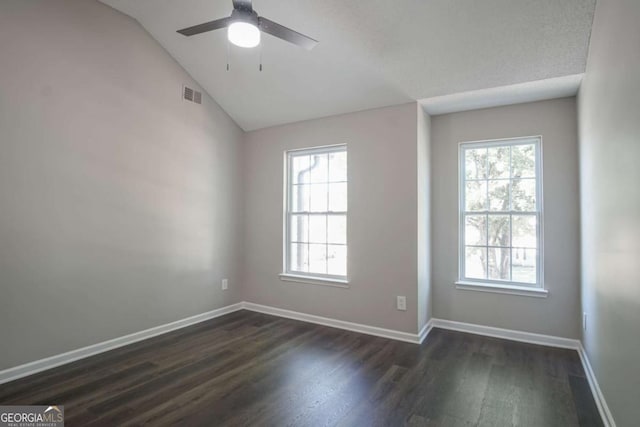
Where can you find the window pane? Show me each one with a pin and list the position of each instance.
(499, 230)
(338, 197)
(337, 260)
(500, 244)
(299, 169)
(318, 198)
(317, 184)
(524, 231)
(524, 195)
(523, 161)
(499, 264)
(337, 229)
(524, 265)
(499, 162)
(299, 231)
(475, 231)
(475, 163)
(338, 166)
(300, 198)
(319, 168)
(299, 257)
(475, 263)
(476, 196)
(318, 229)
(499, 195)
(318, 259)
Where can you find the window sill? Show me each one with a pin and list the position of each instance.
(502, 289)
(314, 280)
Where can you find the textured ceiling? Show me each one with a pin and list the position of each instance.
(555, 87)
(371, 53)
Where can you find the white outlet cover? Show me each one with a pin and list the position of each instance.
(225, 284)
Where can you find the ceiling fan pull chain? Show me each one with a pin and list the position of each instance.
(227, 55)
(260, 57)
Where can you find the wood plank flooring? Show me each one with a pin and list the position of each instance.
(250, 369)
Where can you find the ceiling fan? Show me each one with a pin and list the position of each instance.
(244, 27)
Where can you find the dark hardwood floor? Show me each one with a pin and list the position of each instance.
(252, 369)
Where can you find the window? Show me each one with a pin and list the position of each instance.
(501, 213)
(316, 213)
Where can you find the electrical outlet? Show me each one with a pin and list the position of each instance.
(584, 320)
(401, 303)
(225, 284)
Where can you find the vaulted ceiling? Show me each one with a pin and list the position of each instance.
(371, 53)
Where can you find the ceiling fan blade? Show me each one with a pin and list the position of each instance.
(207, 26)
(242, 5)
(286, 34)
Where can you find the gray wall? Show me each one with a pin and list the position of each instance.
(424, 217)
(121, 206)
(382, 223)
(558, 314)
(609, 112)
(118, 200)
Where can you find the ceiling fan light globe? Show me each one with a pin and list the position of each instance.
(243, 34)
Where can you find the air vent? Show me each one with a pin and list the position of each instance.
(197, 97)
(188, 94)
(191, 95)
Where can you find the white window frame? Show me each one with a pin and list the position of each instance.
(502, 286)
(303, 276)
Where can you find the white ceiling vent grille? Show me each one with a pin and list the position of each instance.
(191, 95)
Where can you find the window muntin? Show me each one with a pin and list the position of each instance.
(501, 212)
(316, 212)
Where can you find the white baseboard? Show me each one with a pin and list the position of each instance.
(527, 337)
(508, 334)
(605, 413)
(424, 332)
(340, 324)
(81, 353)
(547, 340)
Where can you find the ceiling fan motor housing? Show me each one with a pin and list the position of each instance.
(243, 15)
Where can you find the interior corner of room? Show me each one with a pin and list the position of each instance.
(431, 207)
